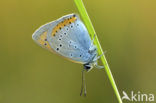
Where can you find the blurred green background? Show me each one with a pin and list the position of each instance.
(30, 74)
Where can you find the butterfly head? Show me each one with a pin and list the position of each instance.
(87, 67)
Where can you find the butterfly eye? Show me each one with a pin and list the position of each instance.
(60, 45)
(65, 33)
(45, 43)
(80, 55)
(87, 67)
(59, 39)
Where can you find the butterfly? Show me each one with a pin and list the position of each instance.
(68, 37)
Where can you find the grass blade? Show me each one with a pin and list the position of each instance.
(87, 22)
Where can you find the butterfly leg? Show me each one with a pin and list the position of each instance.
(99, 56)
(92, 42)
(83, 86)
(93, 38)
(98, 66)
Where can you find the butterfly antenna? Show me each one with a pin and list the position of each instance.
(83, 85)
(84, 81)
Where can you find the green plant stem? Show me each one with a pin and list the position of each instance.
(87, 22)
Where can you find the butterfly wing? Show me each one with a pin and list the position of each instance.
(66, 36)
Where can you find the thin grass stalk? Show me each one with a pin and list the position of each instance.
(89, 26)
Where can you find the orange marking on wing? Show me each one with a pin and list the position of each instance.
(43, 41)
(62, 24)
